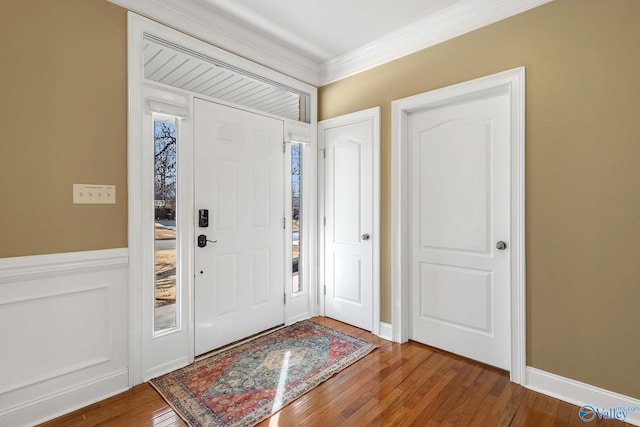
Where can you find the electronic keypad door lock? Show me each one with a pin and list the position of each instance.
(203, 218)
(202, 241)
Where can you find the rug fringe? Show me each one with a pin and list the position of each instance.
(171, 405)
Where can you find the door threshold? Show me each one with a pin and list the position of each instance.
(237, 343)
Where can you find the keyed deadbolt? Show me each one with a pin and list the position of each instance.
(501, 246)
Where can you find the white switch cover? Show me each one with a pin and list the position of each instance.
(90, 194)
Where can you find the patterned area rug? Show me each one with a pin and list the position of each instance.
(243, 385)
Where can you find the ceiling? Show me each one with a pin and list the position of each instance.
(320, 41)
(324, 29)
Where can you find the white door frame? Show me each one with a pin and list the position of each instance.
(512, 81)
(140, 189)
(372, 115)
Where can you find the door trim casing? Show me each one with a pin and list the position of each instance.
(373, 116)
(514, 82)
(140, 190)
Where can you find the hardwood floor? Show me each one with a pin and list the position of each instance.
(396, 385)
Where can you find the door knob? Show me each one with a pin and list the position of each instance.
(501, 246)
(365, 236)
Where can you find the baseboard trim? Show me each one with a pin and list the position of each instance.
(578, 393)
(386, 331)
(48, 407)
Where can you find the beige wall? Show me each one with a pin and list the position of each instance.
(583, 172)
(63, 106)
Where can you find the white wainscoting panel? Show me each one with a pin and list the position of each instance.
(65, 333)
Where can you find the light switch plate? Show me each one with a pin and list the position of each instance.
(92, 194)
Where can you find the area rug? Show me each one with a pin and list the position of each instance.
(243, 385)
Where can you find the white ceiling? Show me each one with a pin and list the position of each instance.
(320, 41)
(324, 29)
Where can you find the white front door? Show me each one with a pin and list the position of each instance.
(351, 230)
(239, 173)
(459, 235)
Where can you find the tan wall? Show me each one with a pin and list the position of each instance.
(583, 172)
(63, 106)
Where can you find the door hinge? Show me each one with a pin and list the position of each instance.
(324, 153)
(285, 298)
(284, 146)
(325, 289)
(284, 223)
(324, 221)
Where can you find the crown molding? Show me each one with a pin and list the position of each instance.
(461, 18)
(248, 18)
(223, 32)
(227, 29)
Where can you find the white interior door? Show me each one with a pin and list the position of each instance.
(459, 210)
(239, 173)
(351, 229)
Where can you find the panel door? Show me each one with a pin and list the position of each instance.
(239, 175)
(349, 222)
(459, 163)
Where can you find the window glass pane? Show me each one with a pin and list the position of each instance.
(296, 215)
(166, 291)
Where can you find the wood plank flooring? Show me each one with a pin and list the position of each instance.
(396, 385)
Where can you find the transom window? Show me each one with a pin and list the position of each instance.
(173, 65)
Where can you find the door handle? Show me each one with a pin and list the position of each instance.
(365, 236)
(202, 241)
(501, 246)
